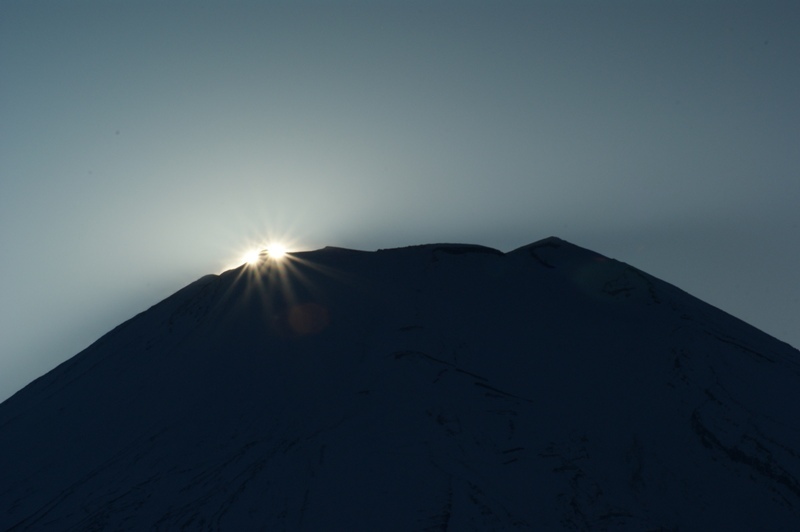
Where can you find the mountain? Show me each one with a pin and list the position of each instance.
(435, 387)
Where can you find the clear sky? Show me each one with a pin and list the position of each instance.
(144, 144)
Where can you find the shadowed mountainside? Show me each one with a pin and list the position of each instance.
(435, 387)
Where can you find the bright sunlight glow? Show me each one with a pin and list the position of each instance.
(252, 256)
(267, 253)
(276, 250)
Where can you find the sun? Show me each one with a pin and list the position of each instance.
(276, 251)
(273, 251)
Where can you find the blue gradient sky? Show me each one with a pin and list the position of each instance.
(144, 144)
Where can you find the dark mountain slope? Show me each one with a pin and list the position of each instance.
(436, 387)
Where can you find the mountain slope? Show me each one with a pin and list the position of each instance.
(437, 387)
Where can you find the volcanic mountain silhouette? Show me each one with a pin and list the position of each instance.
(435, 387)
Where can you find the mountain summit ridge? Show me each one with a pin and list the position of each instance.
(443, 386)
